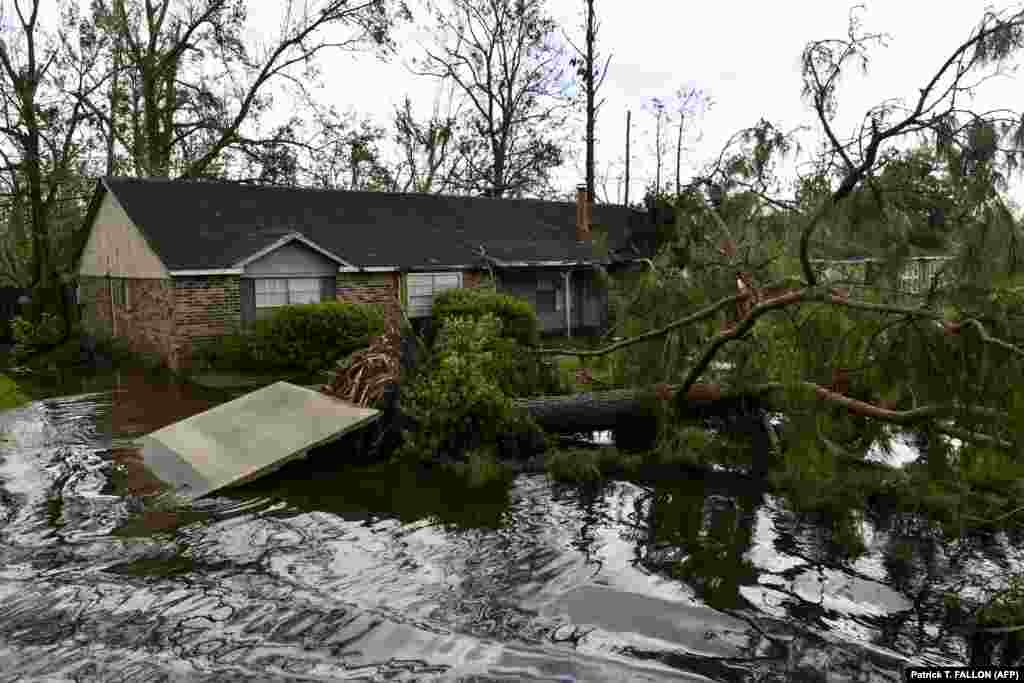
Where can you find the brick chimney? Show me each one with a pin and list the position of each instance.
(583, 217)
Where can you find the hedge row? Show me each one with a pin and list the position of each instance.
(309, 337)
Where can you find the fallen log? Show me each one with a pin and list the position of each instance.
(590, 411)
(600, 410)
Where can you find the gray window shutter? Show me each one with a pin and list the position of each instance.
(328, 288)
(247, 297)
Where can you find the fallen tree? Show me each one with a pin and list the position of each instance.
(601, 410)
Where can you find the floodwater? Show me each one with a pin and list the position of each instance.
(328, 572)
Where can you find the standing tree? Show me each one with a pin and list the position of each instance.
(44, 80)
(688, 101)
(187, 86)
(501, 56)
(592, 75)
(657, 106)
(429, 162)
(345, 154)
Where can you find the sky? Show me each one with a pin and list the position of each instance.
(744, 55)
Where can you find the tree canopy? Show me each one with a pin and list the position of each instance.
(881, 296)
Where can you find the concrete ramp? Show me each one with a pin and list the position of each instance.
(248, 437)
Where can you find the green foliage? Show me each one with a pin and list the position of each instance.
(519, 320)
(521, 373)
(988, 468)
(590, 464)
(910, 205)
(234, 351)
(683, 444)
(313, 337)
(518, 372)
(808, 474)
(583, 373)
(1006, 608)
(10, 395)
(30, 337)
(481, 468)
(458, 401)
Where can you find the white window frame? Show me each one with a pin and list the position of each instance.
(420, 303)
(291, 292)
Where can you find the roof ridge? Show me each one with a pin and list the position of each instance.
(329, 190)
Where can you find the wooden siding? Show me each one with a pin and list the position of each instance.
(117, 247)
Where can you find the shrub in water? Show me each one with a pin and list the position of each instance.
(314, 336)
(519, 372)
(458, 402)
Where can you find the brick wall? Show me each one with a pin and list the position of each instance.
(371, 288)
(94, 301)
(475, 278)
(206, 308)
(144, 320)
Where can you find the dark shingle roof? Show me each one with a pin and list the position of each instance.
(208, 225)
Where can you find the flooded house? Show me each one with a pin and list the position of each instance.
(169, 265)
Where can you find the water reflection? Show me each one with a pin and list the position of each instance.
(336, 572)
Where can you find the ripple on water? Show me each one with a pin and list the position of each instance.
(396, 574)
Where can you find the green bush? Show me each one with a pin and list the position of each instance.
(314, 336)
(517, 371)
(519, 320)
(230, 352)
(30, 336)
(10, 394)
(458, 403)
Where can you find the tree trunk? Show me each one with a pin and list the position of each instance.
(583, 412)
(591, 113)
(657, 155)
(679, 154)
(629, 115)
(599, 410)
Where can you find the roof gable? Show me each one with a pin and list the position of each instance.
(288, 239)
(115, 245)
(216, 225)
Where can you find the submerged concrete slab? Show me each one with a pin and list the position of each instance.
(248, 437)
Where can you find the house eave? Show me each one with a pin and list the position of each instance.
(207, 271)
(541, 264)
(368, 269)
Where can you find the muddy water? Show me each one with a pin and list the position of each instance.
(328, 572)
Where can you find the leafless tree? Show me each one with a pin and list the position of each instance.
(688, 102)
(429, 162)
(501, 56)
(589, 71)
(657, 107)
